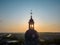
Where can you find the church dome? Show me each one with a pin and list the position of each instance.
(31, 35)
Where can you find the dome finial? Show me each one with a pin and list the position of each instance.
(31, 14)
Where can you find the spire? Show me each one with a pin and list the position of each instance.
(31, 22)
(31, 13)
(31, 19)
(31, 16)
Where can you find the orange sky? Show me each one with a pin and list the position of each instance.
(38, 27)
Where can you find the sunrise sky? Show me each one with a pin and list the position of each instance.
(15, 14)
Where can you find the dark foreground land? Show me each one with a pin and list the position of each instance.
(46, 38)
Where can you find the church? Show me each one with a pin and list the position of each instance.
(31, 35)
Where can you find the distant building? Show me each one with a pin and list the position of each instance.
(31, 35)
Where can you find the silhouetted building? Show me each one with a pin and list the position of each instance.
(31, 35)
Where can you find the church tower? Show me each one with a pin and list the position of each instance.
(31, 35)
(31, 23)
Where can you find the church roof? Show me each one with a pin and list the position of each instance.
(31, 32)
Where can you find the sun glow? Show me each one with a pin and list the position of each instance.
(31, 26)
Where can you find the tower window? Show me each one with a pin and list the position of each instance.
(31, 26)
